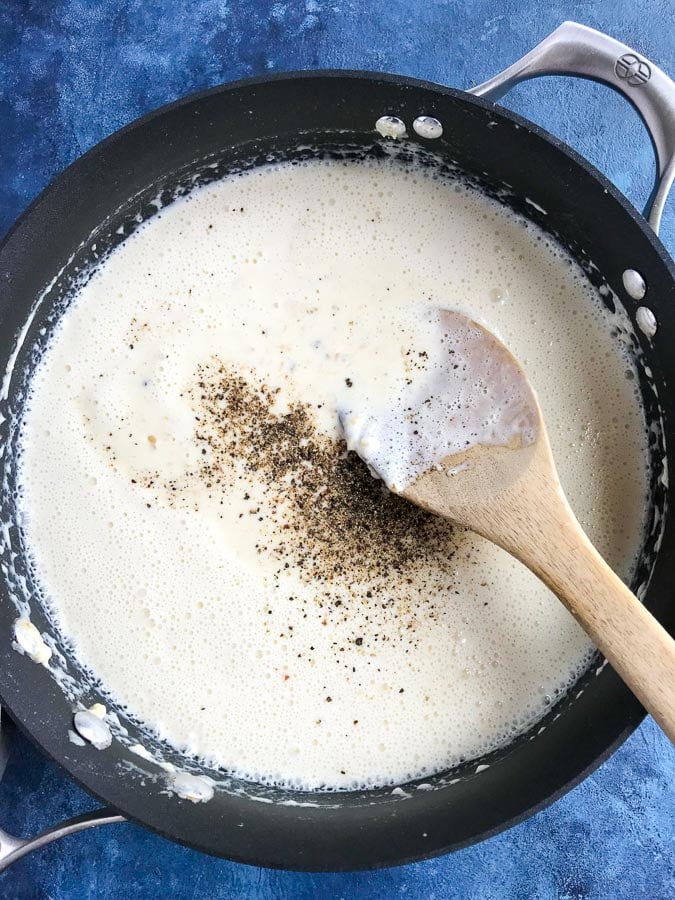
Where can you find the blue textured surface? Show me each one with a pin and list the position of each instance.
(73, 72)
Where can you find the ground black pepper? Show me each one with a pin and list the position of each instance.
(322, 513)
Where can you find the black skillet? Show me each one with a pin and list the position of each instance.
(101, 198)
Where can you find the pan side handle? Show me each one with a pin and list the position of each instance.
(13, 848)
(577, 50)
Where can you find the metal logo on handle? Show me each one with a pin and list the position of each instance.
(633, 69)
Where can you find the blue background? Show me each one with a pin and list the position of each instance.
(73, 72)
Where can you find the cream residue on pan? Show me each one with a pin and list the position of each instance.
(90, 724)
(28, 640)
(235, 580)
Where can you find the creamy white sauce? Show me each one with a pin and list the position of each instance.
(540, 209)
(140, 750)
(172, 583)
(469, 392)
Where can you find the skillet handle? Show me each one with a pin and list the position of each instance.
(577, 50)
(13, 848)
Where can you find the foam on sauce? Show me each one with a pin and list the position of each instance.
(471, 392)
(235, 579)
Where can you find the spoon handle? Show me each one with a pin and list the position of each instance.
(553, 545)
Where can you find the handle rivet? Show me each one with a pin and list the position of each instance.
(428, 127)
(391, 127)
(646, 321)
(634, 284)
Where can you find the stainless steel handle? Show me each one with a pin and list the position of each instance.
(13, 848)
(577, 50)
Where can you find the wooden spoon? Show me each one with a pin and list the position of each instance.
(511, 495)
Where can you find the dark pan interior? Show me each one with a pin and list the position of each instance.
(102, 199)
